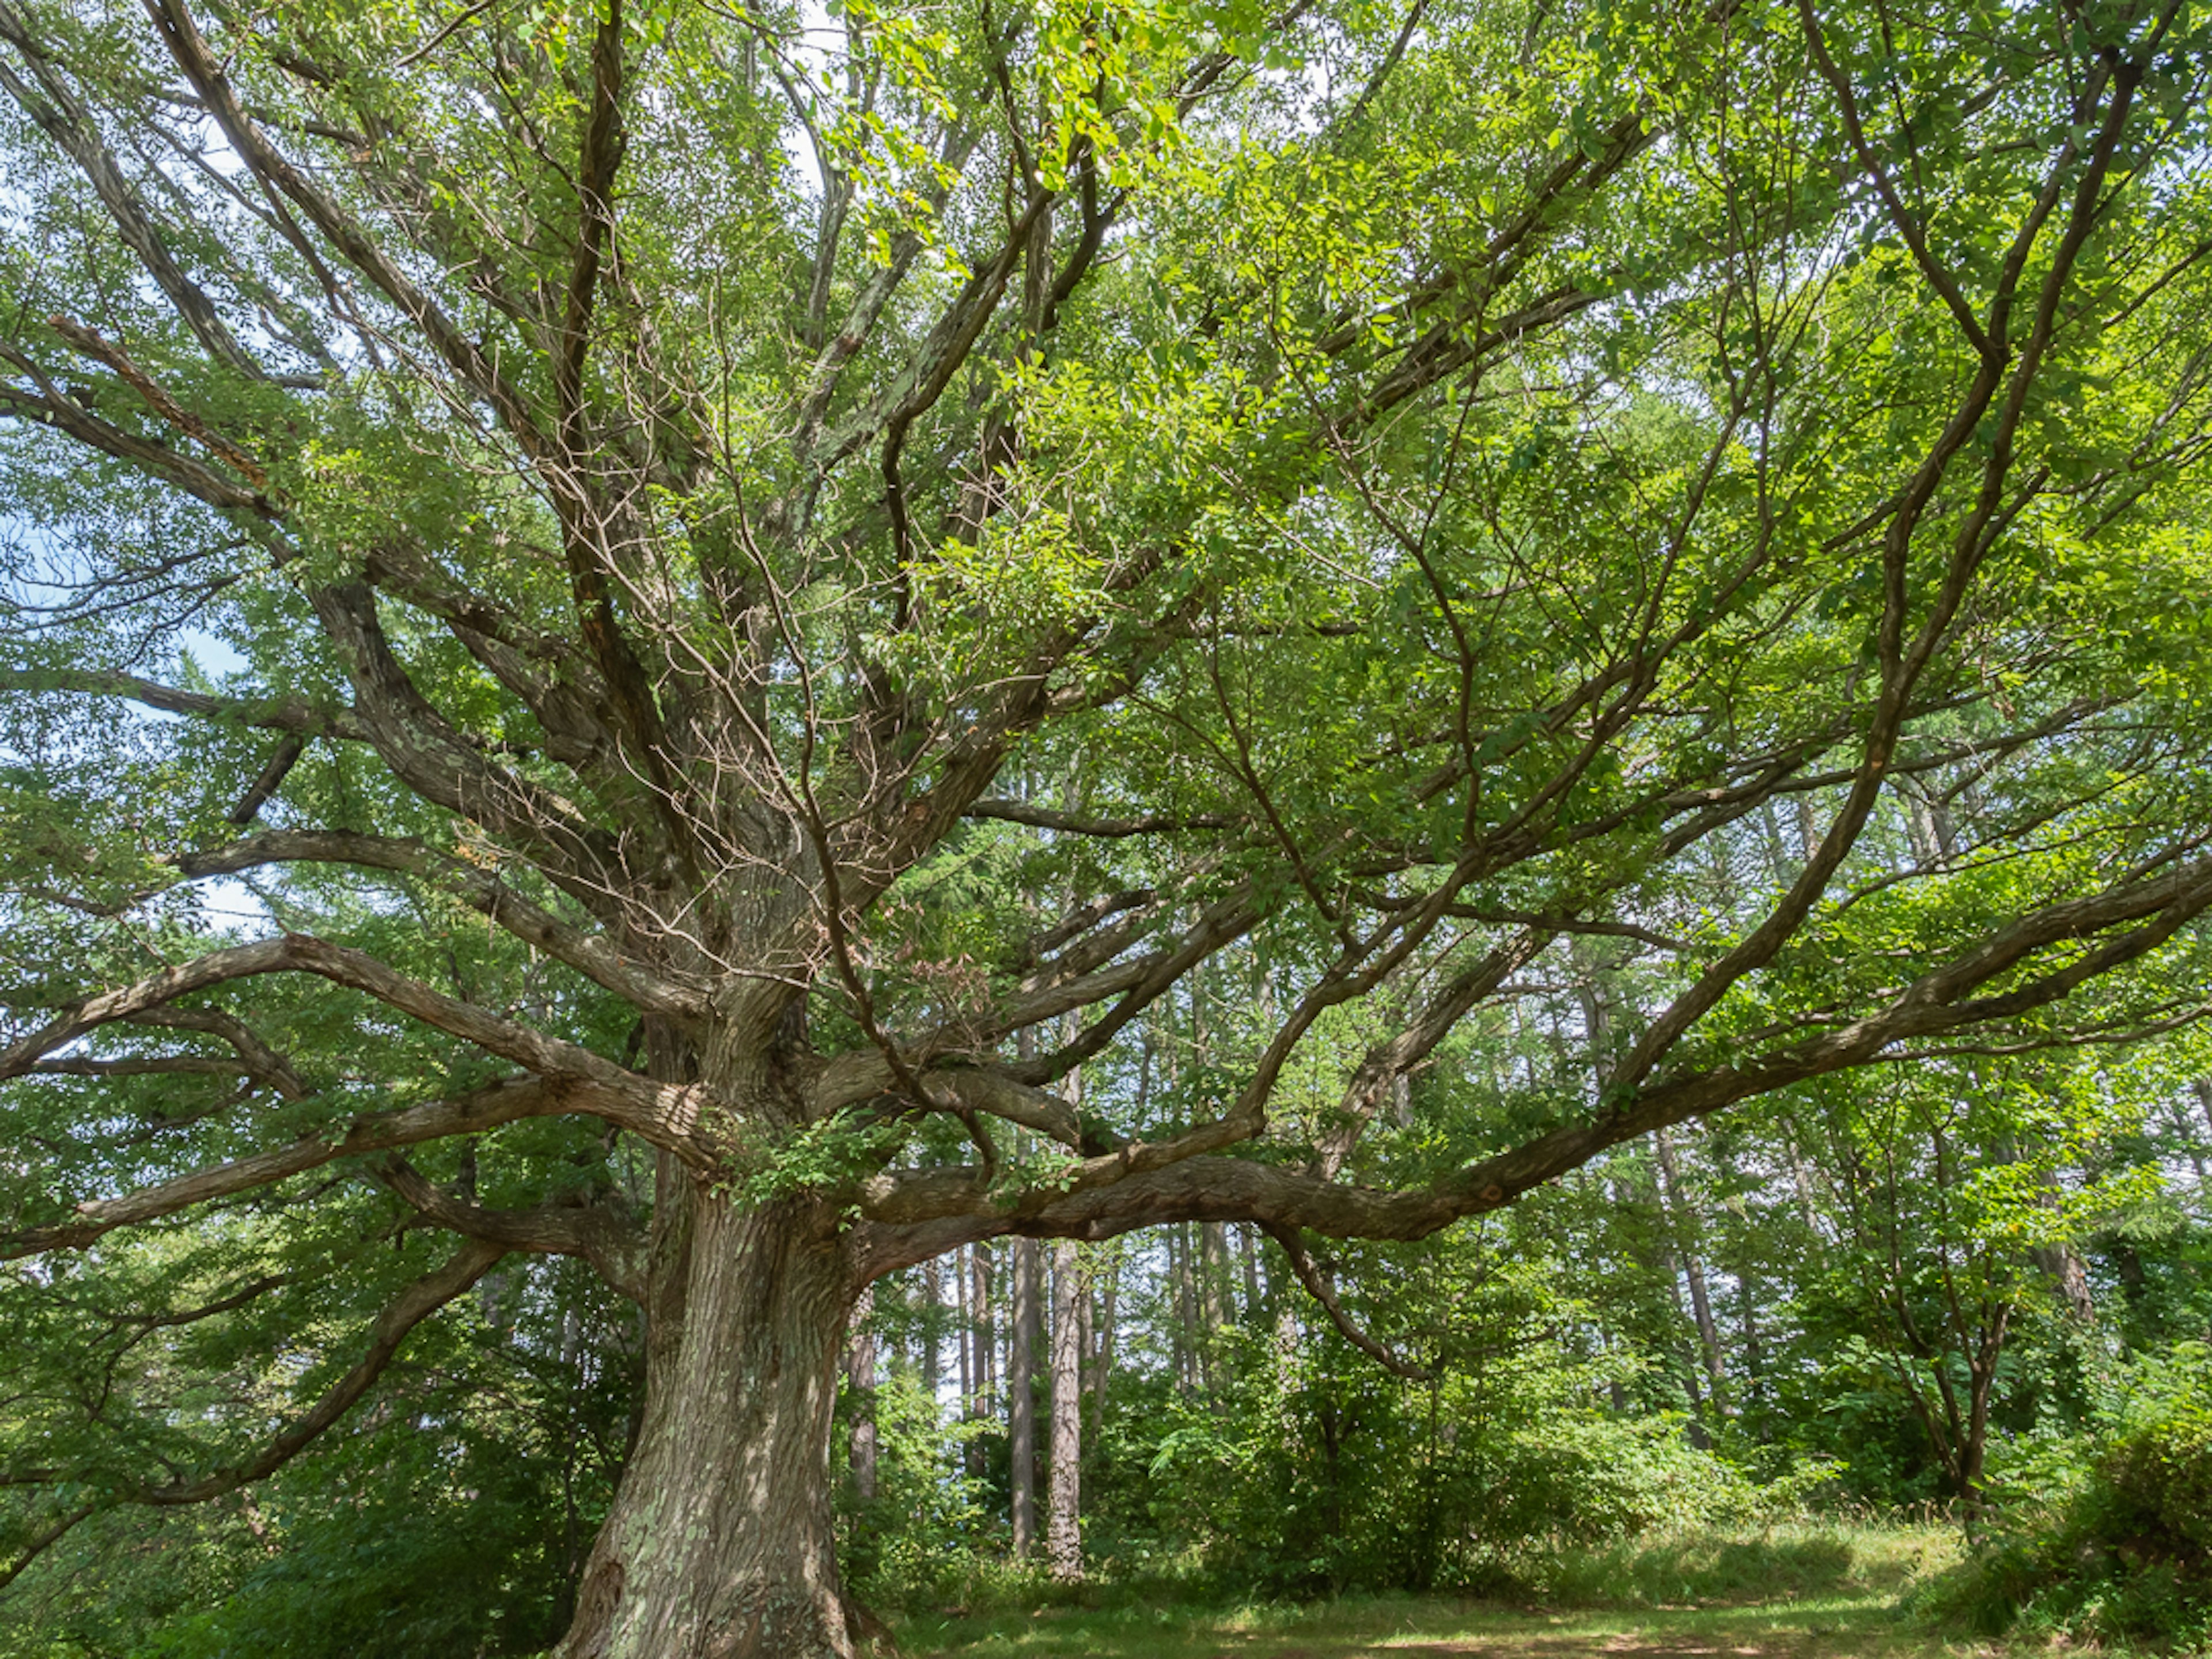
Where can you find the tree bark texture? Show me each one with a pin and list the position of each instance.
(860, 1378)
(720, 1543)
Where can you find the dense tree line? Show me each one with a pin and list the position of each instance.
(1924, 1293)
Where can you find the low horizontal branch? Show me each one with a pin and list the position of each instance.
(1194, 1176)
(506, 1102)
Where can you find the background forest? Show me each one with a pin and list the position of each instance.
(1978, 1292)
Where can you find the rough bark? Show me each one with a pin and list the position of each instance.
(860, 1378)
(720, 1543)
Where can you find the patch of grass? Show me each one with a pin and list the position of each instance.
(1784, 1562)
(1785, 1592)
(1827, 1627)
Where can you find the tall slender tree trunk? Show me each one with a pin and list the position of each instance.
(1021, 1399)
(933, 1335)
(1108, 1312)
(963, 1328)
(1190, 1349)
(719, 1545)
(1063, 1534)
(1248, 1258)
(983, 1342)
(1701, 1301)
(1213, 1279)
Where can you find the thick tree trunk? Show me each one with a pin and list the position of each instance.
(719, 1546)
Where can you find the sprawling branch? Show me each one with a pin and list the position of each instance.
(1184, 1178)
(341, 965)
(482, 889)
(210, 80)
(583, 1227)
(295, 715)
(57, 109)
(474, 1113)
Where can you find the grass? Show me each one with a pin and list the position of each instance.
(1784, 1593)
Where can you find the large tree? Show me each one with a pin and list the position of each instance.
(746, 592)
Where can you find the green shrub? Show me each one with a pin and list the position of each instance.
(2115, 1542)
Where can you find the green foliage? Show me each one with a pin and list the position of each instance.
(1330, 1475)
(2108, 1534)
(449, 1519)
(1440, 475)
(926, 1536)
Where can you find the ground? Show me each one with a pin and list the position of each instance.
(1817, 1593)
(1827, 1627)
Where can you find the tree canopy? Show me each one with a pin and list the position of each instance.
(655, 632)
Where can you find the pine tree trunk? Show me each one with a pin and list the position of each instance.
(981, 1342)
(1063, 1534)
(1701, 1301)
(1109, 1311)
(1190, 1350)
(1213, 1280)
(1248, 1257)
(932, 1335)
(719, 1544)
(1021, 1399)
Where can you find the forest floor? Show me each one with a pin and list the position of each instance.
(1824, 1627)
(1804, 1593)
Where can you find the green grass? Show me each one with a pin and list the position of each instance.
(1797, 1592)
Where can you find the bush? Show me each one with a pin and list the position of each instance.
(1332, 1476)
(2115, 1542)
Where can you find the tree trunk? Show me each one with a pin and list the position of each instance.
(1190, 1375)
(2068, 1274)
(980, 1343)
(933, 1337)
(1021, 1399)
(1701, 1301)
(1109, 1311)
(1213, 1280)
(1248, 1257)
(719, 1544)
(1063, 1534)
